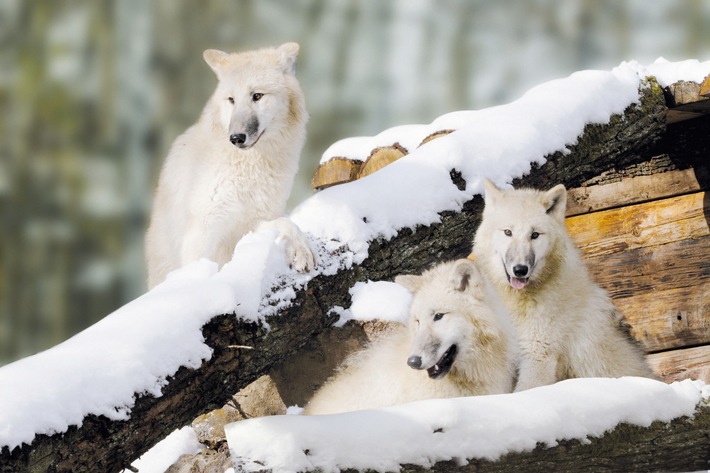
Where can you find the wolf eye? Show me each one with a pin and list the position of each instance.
(508, 232)
(257, 96)
(438, 316)
(231, 100)
(534, 235)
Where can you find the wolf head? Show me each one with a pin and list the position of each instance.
(258, 95)
(451, 317)
(519, 229)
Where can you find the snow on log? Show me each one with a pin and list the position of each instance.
(415, 211)
(624, 424)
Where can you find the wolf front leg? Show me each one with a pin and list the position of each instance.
(539, 365)
(300, 255)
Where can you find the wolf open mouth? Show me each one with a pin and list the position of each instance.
(516, 283)
(444, 364)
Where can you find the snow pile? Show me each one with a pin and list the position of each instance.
(135, 349)
(168, 451)
(376, 300)
(486, 427)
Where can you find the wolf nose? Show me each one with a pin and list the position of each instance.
(238, 138)
(415, 362)
(520, 270)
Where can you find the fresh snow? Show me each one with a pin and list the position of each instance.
(132, 351)
(485, 427)
(159, 458)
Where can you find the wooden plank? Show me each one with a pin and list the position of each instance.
(638, 226)
(677, 365)
(632, 190)
(654, 269)
(670, 318)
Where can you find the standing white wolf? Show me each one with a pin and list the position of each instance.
(566, 324)
(458, 341)
(232, 170)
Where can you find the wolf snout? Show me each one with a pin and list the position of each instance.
(415, 362)
(520, 270)
(238, 138)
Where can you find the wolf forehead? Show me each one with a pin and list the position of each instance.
(267, 60)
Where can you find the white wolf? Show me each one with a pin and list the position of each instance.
(566, 324)
(459, 341)
(234, 168)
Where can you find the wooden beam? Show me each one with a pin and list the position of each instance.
(638, 226)
(677, 365)
(631, 190)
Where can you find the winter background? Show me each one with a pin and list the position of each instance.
(93, 93)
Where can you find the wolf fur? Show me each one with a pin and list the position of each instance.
(566, 324)
(234, 168)
(452, 306)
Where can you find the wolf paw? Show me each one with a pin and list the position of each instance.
(299, 253)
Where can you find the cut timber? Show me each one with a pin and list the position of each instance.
(705, 87)
(686, 100)
(335, 171)
(435, 135)
(638, 226)
(381, 157)
(677, 365)
(632, 190)
(652, 258)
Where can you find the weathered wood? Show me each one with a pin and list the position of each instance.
(335, 171)
(705, 87)
(632, 190)
(680, 445)
(435, 135)
(652, 259)
(677, 365)
(685, 100)
(670, 319)
(381, 157)
(662, 290)
(639, 226)
(104, 446)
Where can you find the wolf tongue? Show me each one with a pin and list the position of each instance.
(518, 283)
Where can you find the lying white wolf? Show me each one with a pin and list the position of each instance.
(459, 341)
(234, 168)
(566, 324)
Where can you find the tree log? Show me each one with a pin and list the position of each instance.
(680, 445)
(101, 445)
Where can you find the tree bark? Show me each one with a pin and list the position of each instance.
(680, 445)
(102, 445)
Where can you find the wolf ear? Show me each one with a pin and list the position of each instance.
(289, 53)
(409, 281)
(466, 276)
(555, 202)
(492, 191)
(216, 59)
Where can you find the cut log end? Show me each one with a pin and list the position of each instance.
(381, 157)
(335, 171)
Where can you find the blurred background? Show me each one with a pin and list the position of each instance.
(93, 92)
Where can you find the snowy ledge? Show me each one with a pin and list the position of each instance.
(575, 425)
(101, 399)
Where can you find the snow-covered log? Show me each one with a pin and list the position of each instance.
(240, 350)
(586, 425)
